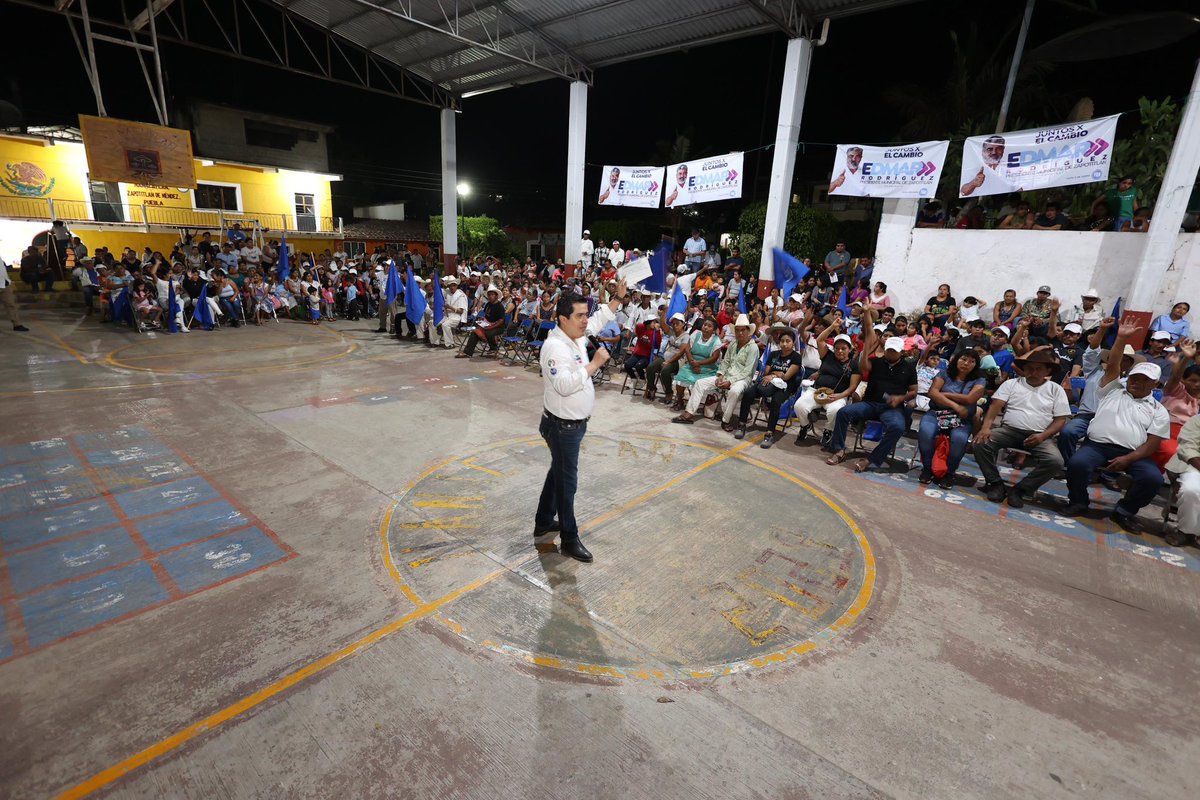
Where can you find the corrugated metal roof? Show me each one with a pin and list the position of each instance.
(493, 44)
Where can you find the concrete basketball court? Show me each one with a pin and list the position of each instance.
(294, 561)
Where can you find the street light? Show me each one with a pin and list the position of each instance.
(464, 189)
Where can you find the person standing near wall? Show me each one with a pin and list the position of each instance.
(7, 299)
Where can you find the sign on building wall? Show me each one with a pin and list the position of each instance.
(1021, 161)
(704, 180)
(135, 152)
(910, 170)
(631, 186)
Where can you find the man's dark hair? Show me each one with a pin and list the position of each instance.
(566, 304)
(1053, 205)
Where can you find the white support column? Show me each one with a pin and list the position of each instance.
(783, 164)
(576, 147)
(1169, 208)
(896, 225)
(449, 193)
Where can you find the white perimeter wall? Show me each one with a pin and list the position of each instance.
(985, 263)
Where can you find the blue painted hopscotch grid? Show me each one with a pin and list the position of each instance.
(101, 526)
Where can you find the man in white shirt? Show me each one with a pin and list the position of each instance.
(6, 297)
(616, 256)
(695, 249)
(1124, 435)
(568, 397)
(455, 310)
(642, 312)
(586, 249)
(1035, 409)
(251, 253)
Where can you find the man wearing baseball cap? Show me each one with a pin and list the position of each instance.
(1035, 409)
(1155, 353)
(1127, 430)
(892, 383)
(1069, 350)
(1038, 310)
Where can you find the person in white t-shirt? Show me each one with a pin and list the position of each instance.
(992, 176)
(586, 249)
(616, 256)
(849, 181)
(681, 195)
(1124, 435)
(1035, 409)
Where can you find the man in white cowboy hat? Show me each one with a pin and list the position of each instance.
(455, 309)
(1088, 313)
(733, 375)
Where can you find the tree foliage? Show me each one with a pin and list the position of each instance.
(810, 232)
(476, 236)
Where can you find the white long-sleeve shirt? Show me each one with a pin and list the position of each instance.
(567, 390)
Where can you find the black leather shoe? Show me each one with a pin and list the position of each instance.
(996, 492)
(575, 550)
(554, 527)
(1128, 522)
(1075, 510)
(1014, 498)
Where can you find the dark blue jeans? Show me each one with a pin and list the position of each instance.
(635, 366)
(895, 423)
(1072, 434)
(927, 440)
(563, 437)
(1091, 456)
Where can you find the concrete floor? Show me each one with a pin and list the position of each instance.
(331, 592)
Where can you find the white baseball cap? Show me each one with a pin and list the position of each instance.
(880, 326)
(799, 298)
(678, 315)
(1147, 368)
(842, 337)
(1073, 327)
(894, 343)
(587, 233)
(1160, 336)
(1003, 329)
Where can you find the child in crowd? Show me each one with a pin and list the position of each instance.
(314, 305)
(927, 370)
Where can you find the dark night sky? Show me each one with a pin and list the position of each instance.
(513, 142)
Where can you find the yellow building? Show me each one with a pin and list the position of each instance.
(45, 177)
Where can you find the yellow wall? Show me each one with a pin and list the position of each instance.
(32, 170)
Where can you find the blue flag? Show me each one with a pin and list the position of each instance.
(1111, 337)
(414, 300)
(845, 309)
(679, 302)
(122, 311)
(284, 269)
(439, 302)
(392, 289)
(172, 308)
(789, 271)
(742, 300)
(203, 312)
(660, 263)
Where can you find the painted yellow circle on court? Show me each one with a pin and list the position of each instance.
(708, 561)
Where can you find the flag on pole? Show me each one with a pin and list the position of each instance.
(789, 271)
(1111, 337)
(660, 264)
(122, 311)
(392, 290)
(742, 300)
(414, 300)
(203, 312)
(284, 270)
(172, 308)
(842, 306)
(439, 302)
(679, 296)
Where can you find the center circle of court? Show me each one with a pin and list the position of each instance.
(277, 347)
(708, 561)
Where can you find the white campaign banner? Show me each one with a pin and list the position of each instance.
(631, 186)
(704, 180)
(910, 170)
(1021, 161)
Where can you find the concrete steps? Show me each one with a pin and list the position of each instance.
(63, 296)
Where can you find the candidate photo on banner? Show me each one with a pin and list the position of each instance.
(631, 186)
(704, 180)
(909, 170)
(1038, 158)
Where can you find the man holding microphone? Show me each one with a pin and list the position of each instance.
(568, 396)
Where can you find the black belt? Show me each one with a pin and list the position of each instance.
(561, 419)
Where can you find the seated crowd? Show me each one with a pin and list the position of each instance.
(1033, 378)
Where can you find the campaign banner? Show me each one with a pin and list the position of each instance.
(631, 186)
(909, 170)
(1021, 161)
(704, 180)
